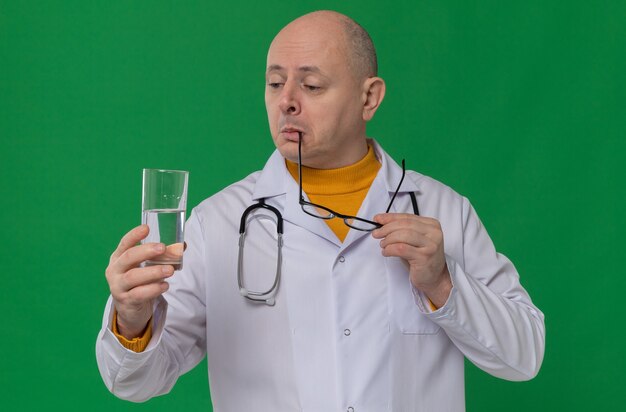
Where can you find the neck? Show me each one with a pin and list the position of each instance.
(349, 156)
(356, 176)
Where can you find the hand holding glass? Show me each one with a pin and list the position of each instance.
(163, 209)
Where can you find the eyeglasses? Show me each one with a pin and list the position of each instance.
(322, 212)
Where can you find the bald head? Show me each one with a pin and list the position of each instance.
(349, 35)
(360, 46)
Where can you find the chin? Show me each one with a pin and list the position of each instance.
(288, 149)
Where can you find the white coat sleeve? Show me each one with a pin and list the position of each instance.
(489, 316)
(178, 340)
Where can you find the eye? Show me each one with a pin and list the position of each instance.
(274, 85)
(312, 88)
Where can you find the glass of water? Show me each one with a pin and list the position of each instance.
(164, 204)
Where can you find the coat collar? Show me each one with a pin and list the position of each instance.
(391, 172)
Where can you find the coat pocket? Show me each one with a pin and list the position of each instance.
(405, 314)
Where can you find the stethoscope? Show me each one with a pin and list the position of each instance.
(269, 296)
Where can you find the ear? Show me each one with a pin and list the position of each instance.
(373, 94)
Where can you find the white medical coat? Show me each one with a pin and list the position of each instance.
(348, 332)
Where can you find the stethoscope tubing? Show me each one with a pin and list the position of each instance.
(268, 296)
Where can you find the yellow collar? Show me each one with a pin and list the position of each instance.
(343, 180)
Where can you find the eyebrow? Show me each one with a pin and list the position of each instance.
(306, 69)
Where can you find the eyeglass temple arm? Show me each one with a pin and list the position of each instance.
(397, 189)
(300, 165)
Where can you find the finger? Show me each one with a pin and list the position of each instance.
(410, 253)
(129, 240)
(141, 294)
(132, 257)
(174, 252)
(401, 223)
(401, 250)
(385, 218)
(407, 236)
(144, 276)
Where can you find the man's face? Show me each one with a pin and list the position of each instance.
(311, 89)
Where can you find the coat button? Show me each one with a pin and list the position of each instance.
(347, 332)
(350, 409)
(342, 259)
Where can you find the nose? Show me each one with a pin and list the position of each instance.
(289, 101)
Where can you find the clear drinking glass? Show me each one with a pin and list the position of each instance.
(164, 203)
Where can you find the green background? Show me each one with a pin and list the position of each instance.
(520, 107)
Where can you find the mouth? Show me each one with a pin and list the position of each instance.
(291, 133)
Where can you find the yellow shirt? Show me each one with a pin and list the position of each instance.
(341, 190)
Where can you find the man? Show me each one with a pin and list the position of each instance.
(361, 321)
